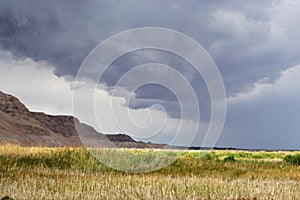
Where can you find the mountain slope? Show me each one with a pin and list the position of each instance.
(19, 125)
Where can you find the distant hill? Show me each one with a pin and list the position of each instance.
(19, 125)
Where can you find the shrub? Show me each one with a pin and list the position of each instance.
(211, 156)
(230, 158)
(293, 159)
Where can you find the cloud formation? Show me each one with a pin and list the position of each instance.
(254, 44)
(247, 39)
(54, 95)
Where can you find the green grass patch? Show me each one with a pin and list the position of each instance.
(293, 159)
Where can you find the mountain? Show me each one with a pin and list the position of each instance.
(19, 125)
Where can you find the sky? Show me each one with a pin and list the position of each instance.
(254, 44)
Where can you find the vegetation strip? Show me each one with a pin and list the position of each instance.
(73, 173)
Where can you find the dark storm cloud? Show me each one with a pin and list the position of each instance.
(63, 32)
(248, 40)
(153, 93)
(46, 31)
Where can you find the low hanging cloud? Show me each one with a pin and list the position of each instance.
(53, 95)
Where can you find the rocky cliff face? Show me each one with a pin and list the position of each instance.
(19, 125)
(11, 105)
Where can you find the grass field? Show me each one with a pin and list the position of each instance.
(73, 173)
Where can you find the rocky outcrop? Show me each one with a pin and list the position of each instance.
(120, 138)
(19, 125)
(11, 105)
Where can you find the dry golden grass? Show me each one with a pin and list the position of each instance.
(72, 173)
